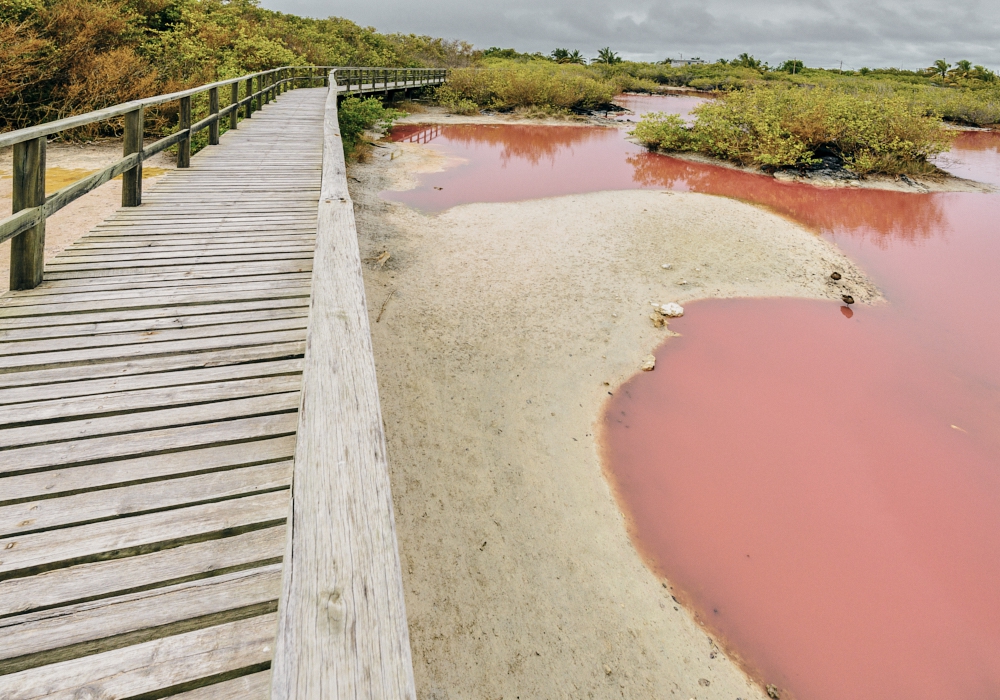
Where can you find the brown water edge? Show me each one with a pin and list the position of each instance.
(855, 459)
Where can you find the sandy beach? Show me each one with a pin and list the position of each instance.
(499, 331)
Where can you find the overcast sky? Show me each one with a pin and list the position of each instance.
(904, 33)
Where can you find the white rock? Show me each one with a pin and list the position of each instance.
(666, 266)
(648, 363)
(672, 309)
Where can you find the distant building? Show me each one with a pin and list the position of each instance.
(683, 61)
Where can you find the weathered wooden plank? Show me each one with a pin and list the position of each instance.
(30, 633)
(146, 667)
(187, 360)
(46, 513)
(16, 363)
(166, 297)
(115, 576)
(89, 387)
(205, 271)
(37, 457)
(149, 324)
(342, 630)
(256, 686)
(55, 482)
(65, 264)
(108, 340)
(73, 544)
(192, 293)
(135, 422)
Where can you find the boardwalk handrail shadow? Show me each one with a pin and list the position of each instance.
(26, 226)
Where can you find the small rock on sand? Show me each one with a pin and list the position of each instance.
(648, 363)
(673, 310)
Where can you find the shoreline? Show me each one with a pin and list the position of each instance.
(520, 574)
(911, 183)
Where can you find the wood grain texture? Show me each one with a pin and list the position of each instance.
(27, 249)
(342, 631)
(256, 686)
(30, 633)
(146, 667)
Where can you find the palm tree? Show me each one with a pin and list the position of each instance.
(745, 60)
(607, 56)
(560, 55)
(941, 67)
(963, 68)
(576, 57)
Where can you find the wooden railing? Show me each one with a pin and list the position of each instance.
(31, 206)
(342, 629)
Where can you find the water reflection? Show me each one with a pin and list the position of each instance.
(639, 105)
(531, 144)
(873, 214)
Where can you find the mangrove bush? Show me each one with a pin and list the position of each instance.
(786, 127)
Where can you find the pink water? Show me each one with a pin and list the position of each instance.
(643, 104)
(820, 484)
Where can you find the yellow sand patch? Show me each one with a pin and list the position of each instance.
(57, 178)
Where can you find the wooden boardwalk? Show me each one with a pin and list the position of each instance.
(149, 391)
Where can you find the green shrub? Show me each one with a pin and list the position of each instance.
(776, 126)
(506, 85)
(978, 107)
(667, 132)
(356, 116)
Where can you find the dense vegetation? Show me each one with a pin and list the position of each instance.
(779, 126)
(962, 93)
(540, 85)
(64, 57)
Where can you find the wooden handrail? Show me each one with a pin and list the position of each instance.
(26, 226)
(342, 629)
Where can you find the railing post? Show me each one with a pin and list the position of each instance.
(234, 116)
(248, 109)
(27, 249)
(132, 178)
(213, 108)
(326, 77)
(184, 145)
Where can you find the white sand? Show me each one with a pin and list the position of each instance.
(507, 326)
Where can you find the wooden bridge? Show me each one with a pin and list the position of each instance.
(194, 496)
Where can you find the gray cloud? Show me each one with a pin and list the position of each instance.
(905, 33)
